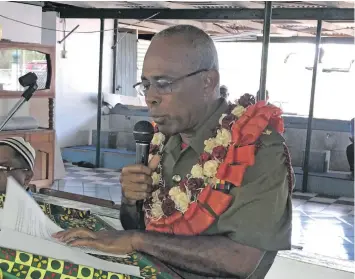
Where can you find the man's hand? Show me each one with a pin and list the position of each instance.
(136, 180)
(205, 255)
(114, 242)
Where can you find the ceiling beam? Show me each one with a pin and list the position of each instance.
(206, 26)
(251, 4)
(212, 14)
(273, 29)
(335, 4)
(160, 24)
(146, 24)
(169, 4)
(325, 40)
(70, 4)
(137, 27)
(338, 28)
(331, 26)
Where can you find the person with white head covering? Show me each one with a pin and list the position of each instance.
(17, 159)
(223, 91)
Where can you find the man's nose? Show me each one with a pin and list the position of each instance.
(152, 98)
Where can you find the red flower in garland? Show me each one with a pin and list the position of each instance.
(228, 121)
(204, 157)
(219, 152)
(153, 149)
(195, 183)
(183, 184)
(246, 100)
(168, 207)
(163, 193)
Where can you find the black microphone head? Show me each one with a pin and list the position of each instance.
(28, 79)
(143, 132)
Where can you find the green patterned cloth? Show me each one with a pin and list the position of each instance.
(18, 264)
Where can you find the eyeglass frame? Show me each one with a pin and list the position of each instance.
(170, 83)
(9, 169)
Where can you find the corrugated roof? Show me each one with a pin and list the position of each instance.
(220, 27)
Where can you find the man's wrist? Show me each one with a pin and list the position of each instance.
(138, 240)
(128, 202)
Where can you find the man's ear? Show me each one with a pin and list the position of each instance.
(211, 81)
(28, 177)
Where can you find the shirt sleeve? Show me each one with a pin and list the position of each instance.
(260, 215)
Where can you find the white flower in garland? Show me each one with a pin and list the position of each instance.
(156, 210)
(158, 139)
(174, 191)
(197, 171)
(210, 144)
(210, 168)
(238, 111)
(155, 178)
(182, 202)
(224, 137)
(155, 195)
(181, 199)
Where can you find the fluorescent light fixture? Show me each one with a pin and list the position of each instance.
(235, 37)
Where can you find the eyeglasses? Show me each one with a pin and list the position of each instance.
(10, 169)
(162, 86)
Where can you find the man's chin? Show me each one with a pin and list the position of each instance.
(163, 129)
(166, 130)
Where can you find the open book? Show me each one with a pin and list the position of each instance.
(25, 227)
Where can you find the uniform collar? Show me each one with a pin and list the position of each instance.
(204, 131)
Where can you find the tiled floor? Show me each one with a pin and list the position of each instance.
(324, 225)
(100, 183)
(321, 225)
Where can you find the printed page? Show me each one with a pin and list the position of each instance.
(34, 245)
(21, 213)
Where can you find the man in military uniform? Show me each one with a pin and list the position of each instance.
(180, 82)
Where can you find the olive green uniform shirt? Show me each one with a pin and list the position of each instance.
(261, 211)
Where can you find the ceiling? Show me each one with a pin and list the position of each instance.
(232, 28)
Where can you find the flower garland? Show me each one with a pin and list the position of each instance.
(165, 202)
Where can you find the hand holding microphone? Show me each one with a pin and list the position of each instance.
(136, 180)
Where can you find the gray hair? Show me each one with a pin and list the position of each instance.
(203, 45)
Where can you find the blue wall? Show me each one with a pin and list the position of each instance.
(110, 158)
(331, 125)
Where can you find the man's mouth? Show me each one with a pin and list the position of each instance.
(158, 119)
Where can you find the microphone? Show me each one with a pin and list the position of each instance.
(143, 133)
(29, 80)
